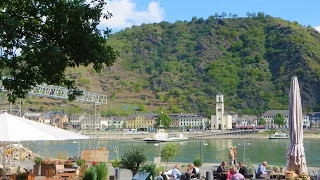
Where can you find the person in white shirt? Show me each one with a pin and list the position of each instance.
(176, 174)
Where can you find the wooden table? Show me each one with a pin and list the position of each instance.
(68, 170)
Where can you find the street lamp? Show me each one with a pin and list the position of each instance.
(244, 151)
(201, 149)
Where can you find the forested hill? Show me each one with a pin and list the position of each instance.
(183, 65)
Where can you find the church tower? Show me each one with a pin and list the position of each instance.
(220, 124)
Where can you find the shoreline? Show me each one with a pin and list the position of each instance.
(123, 136)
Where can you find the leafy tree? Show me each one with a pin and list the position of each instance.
(40, 39)
(262, 121)
(279, 120)
(132, 159)
(142, 107)
(169, 152)
(164, 120)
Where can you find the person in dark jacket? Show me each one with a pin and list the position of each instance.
(242, 169)
(222, 167)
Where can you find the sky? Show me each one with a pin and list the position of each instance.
(135, 12)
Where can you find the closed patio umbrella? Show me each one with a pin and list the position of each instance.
(296, 159)
(14, 128)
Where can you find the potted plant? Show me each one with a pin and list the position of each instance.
(80, 162)
(68, 164)
(250, 167)
(37, 165)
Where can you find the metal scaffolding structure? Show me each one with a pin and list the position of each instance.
(57, 92)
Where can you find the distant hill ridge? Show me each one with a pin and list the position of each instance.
(181, 66)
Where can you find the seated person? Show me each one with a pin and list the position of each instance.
(191, 172)
(242, 169)
(262, 170)
(168, 174)
(176, 174)
(222, 167)
(231, 172)
(237, 176)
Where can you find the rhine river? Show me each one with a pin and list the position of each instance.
(212, 151)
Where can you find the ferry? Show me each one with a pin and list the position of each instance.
(162, 136)
(279, 136)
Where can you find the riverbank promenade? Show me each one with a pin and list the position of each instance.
(127, 175)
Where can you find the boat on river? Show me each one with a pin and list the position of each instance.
(162, 136)
(278, 135)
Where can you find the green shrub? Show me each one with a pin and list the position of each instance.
(197, 160)
(102, 171)
(115, 163)
(80, 162)
(90, 174)
(150, 167)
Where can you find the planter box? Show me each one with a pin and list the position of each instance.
(68, 166)
(45, 167)
(37, 170)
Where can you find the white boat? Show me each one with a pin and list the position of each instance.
(279, 136)
(162, 136)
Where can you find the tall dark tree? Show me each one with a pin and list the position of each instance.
(164, 120)
(279, 120)
(39, 39)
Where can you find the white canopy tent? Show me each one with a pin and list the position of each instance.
(13, 128)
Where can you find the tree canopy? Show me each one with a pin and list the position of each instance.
(164, 120)
(39, 39)
(279, 120)
(262, 121)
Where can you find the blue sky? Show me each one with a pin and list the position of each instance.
(134, 12)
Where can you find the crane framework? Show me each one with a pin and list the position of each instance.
(58, 92)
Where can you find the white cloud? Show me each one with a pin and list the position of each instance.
(318, 28)
(125, 14)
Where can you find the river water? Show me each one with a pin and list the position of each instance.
(212, 151)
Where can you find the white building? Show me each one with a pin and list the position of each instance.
(86, 122)
(195, 121)
(221, 120)
(270, 114)
(113, 123)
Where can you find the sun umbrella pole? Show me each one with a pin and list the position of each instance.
(4, 158)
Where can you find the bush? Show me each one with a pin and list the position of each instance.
(101, 171)
(197, 160)
(150, 167)
(80, 162)
(115, 163)
(90, 174)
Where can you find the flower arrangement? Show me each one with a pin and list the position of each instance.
(94, 163)
(67, 162)
(59, 162)
(47, 161)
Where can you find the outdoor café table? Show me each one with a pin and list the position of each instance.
(273, 175)
(66, 175)
(68, 170)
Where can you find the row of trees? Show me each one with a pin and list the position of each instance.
(278, 120)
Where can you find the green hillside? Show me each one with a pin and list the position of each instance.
(250, 60)
(181, 66)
